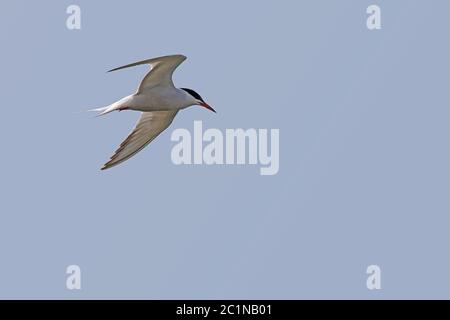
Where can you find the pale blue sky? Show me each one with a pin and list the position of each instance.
(364, 160)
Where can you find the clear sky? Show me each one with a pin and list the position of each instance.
(364, 158)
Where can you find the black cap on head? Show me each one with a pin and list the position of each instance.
(193, 93)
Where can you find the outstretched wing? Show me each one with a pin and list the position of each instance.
(149, 126)
(161, 70)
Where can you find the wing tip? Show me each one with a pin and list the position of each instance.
(107, 165)
(148, 61)
(115, 69)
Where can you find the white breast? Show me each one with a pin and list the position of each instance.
(159, 99)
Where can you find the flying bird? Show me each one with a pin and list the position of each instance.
(157, 99)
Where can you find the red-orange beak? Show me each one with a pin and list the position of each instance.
(207, 106)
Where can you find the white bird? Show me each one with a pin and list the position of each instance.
(158, 100)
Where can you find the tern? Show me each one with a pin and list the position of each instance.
(157, 99)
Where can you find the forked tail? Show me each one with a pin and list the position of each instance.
(105, 110)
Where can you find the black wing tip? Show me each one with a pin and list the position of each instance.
(115, 69)
(121, 67)
(148, 61)
(106, 166)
